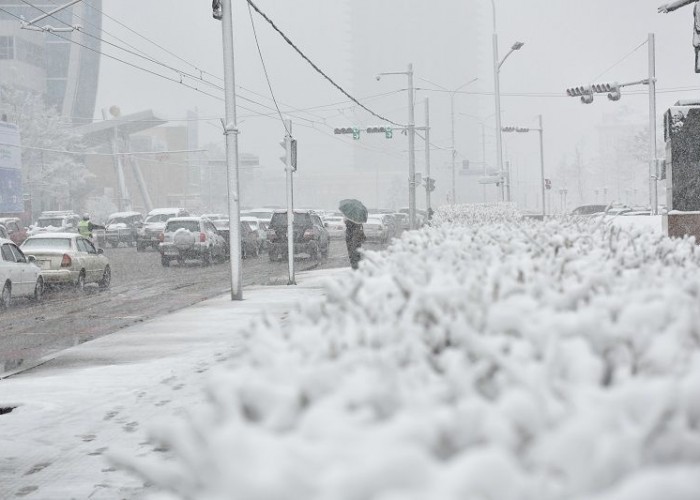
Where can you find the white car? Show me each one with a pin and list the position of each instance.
(335, 225)
(191, 238)
(68, 259)
(19, 277)
(376, 228)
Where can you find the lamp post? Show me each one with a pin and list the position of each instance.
(497, 92)
(411, 128)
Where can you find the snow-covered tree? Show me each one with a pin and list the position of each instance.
(55, 180)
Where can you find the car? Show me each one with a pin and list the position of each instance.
(56, 222)
(122, 227)
(68, 259)
(310, 235)
(260, 228)
(148, 235)
(190, 238)
(402, 221)
(4, 234)
(15, 229)
(263, 214)
(335, 225)
(215, 216)
(19, 276)
(588, 209)
(250, 242)
(377, 228)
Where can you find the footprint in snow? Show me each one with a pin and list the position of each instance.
(26, 491)
(37, 468)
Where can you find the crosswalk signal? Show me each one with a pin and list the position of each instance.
(548, 183)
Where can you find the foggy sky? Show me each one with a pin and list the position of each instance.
(568, 43)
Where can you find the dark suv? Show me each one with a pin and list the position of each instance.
(310, 235)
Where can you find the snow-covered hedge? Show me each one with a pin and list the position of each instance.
(500, 360)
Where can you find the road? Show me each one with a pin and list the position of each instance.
(141, 289)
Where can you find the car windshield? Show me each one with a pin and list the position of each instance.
(280, 219)
(47, 243)
(120, 220)
(56, 222)
(174, 225)
(159, 218)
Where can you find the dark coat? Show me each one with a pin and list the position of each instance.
(354, 238)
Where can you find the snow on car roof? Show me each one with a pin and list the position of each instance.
(123, 214)
(41, 236)
(160, 211)
(190, 217)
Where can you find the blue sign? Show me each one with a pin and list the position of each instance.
(11, 191)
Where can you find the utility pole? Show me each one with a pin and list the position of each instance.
(231, 133)
(454, 151)
(653, 161)
(289, 168)
(411, 152)
(541, 131)
(427, 159)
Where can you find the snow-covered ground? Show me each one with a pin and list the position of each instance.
(486, 357)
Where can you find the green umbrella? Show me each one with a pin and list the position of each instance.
(354, 210)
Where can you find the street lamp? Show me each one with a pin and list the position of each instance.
(411, 128)
(541, 131)
(497, 87)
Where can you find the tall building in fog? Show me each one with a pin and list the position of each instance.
(441, 40)
(63, 67)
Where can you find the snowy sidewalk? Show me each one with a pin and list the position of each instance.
(103, 395)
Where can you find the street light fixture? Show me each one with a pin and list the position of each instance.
(411, 128)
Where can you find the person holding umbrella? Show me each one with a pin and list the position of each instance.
(355, 215)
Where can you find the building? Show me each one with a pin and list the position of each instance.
(63, 67)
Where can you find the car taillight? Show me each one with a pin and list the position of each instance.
(202, 237)
(66, 261)
(161, 237)
(308, 234)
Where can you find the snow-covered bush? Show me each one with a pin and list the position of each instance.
(502, 360)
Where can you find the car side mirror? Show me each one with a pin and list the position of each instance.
(31, 258)
(325, 224)
(100, 251)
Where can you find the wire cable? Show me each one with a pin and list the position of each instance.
(267, 76)
(315, 67)
(621, 60)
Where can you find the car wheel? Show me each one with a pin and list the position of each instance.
(106, 278)
(39, 290)
(6, 297)
(80, 284)
(164, 262)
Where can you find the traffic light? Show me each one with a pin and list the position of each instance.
(430, 184)
(585, 93)
(343, 130)
(289, 144)
(548, 183)
(217, 12)
(388, 132)
(356, 133)
(376, 130)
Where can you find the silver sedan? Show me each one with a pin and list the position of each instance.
(68, 259)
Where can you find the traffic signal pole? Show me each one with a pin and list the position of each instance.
(427, 157)
(499, 137)
(411, 152)
(541, 131)
(231, 133)
(290, 201)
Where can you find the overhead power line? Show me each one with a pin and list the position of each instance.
(315, 67)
